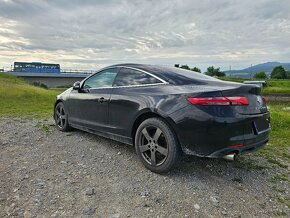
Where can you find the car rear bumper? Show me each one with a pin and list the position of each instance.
(239, 151)
(213, 135)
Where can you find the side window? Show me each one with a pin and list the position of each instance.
(102, 79)
(130, 77)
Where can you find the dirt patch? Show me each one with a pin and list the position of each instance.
(47, 173)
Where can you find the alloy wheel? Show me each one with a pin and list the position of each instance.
(60, 116)
(153, 145)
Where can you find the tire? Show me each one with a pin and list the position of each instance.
(156, 145)
(61, 117)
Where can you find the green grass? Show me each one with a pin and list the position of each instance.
(232, 79)
(60, 89)
(277, 87)
(280, 213)
(18, 99)
(274, 86)
(278, 149)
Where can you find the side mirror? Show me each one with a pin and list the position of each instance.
(77, 85)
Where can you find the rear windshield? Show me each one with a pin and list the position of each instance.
(179, 76)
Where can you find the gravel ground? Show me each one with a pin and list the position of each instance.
(47, 173)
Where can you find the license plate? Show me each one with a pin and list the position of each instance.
(261, 125)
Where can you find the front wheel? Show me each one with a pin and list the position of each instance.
(156, 145)
(61, 117)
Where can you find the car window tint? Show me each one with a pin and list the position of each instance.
(102, 79)
(129, 77)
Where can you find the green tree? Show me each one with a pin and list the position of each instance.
(196, 69)
(260, 75)
(211, 71)
(278, 73)
(288, 74)
(186, 67)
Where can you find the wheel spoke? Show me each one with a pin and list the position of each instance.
(146, 134)
(62, 112)
(153, 158)
(162, 150)
(157, 134)
(57, 113)
(61, 122)
(144, 148)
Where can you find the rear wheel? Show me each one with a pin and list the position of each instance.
(61, 117)
(156, 145)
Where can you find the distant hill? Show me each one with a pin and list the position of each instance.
(251, 71)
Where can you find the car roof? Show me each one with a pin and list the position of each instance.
(173, 75)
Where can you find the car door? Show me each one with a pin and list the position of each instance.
(89, 105)
(128, 98)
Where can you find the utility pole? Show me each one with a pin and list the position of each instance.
(251, 71)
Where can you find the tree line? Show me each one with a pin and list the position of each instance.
(211, 71)
(277, 73)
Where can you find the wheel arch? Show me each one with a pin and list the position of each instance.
(57, 101)
(150, 114)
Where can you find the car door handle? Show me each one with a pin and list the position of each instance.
(102, 99)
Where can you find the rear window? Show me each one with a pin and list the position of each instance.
(191, 74)
(130, 77)
(178, 76)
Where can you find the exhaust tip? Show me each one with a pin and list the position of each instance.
(230, 157)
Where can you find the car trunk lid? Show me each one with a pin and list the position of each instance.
(253, 94)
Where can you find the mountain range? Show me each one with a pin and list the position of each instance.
(251, 71)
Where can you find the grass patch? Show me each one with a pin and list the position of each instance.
(280, 213)
(278, 190)
(284, 201)
(279, 178)
(277, 87)
(19, 99)
(274, 86)
(248, 164)
(278, 149)
(238, 80)
(274, 161)
(43, 126)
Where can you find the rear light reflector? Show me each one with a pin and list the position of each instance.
(264, 100)
(236, 146)
(219, 101)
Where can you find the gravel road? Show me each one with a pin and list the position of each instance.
(47, 173)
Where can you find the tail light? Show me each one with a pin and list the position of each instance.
(236, 101)
(264, 100)
(236, 146)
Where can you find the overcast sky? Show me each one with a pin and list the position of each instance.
(91, 34)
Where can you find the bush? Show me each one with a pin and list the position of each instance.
(278, 73)
(260, 75)
(288, 74)
(211, 71)
(39, 84)
(186, 67)
(196, 69)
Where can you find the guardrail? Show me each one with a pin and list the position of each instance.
(88, 72)
(79, 71)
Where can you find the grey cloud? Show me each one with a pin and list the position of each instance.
(93, 33)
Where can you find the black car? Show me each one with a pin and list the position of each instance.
(165, 112)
